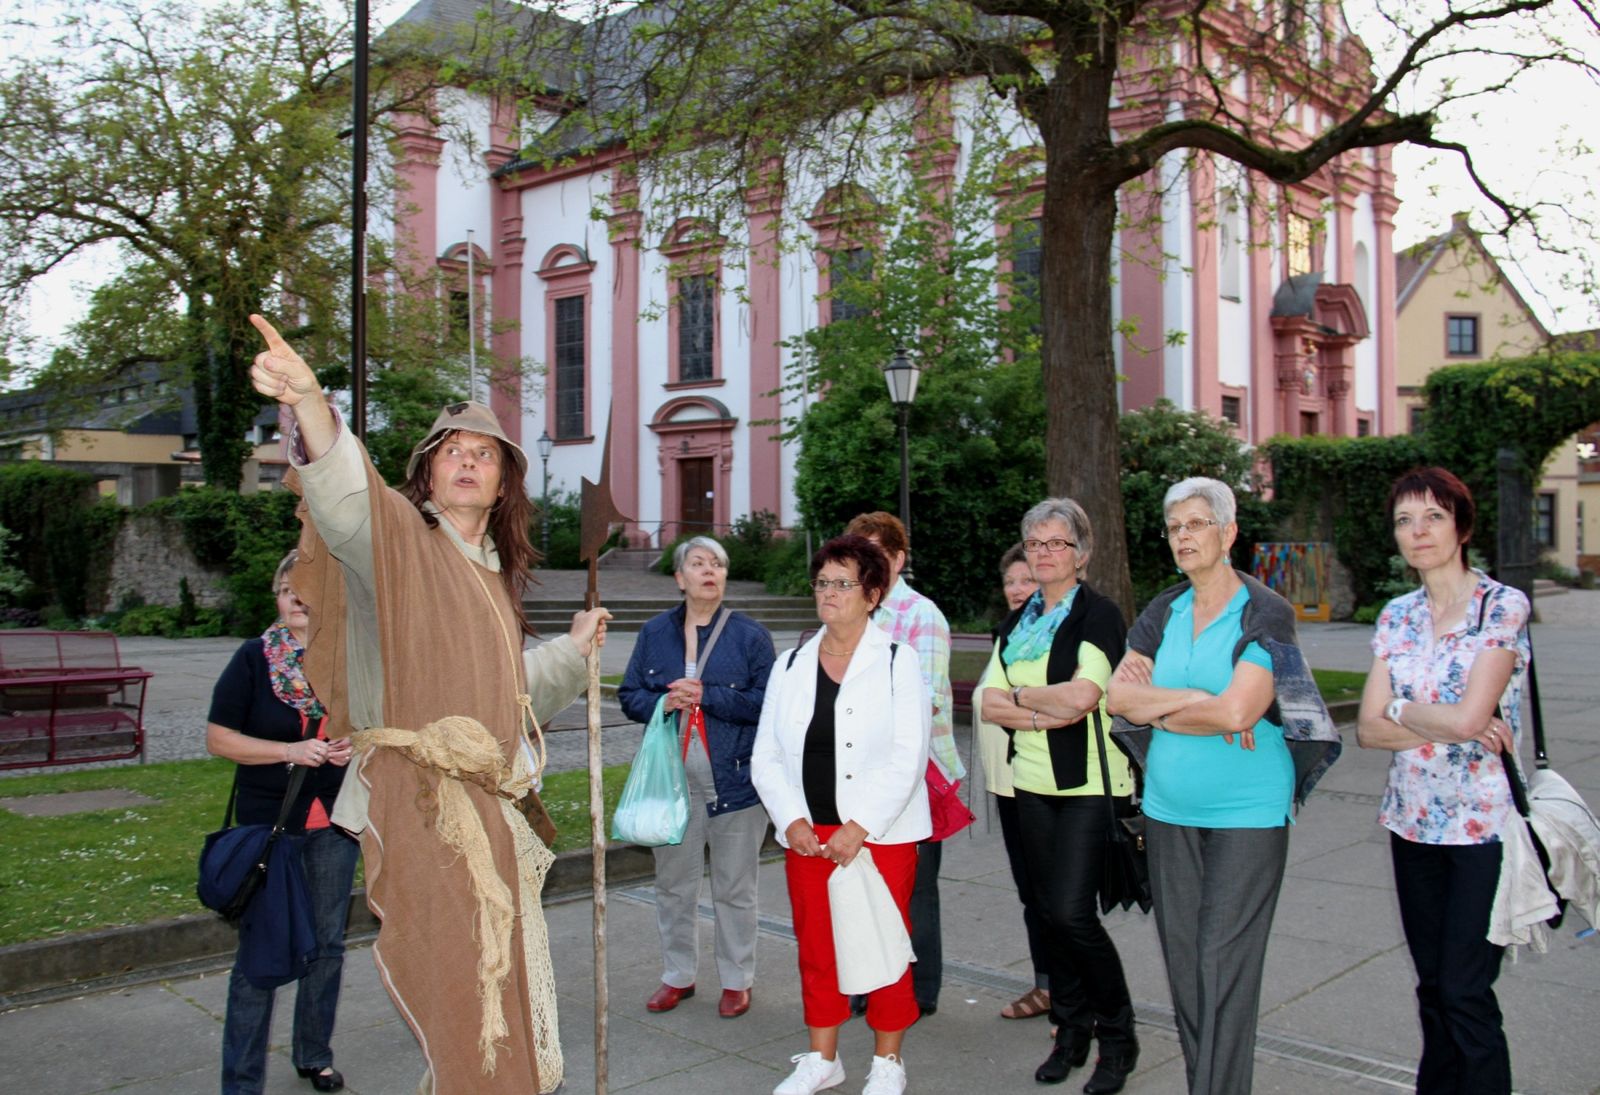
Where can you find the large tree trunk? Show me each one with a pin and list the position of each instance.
(1082, 458)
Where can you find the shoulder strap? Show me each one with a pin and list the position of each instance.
(703, 657)
(790, 663)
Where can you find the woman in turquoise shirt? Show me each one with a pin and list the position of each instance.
(1219, 783)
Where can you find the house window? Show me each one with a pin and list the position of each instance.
(1308, 424)
(1301, 237)
(459, 313)
(1232, 410)
(1461, 336)
(848, 272)
(1414, 418)
(1229, 262)
(697, 325)
(1363, 427)
(569, 366)
(1027, 258)
(1544, 519)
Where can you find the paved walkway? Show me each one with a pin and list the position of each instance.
(1337, 1008)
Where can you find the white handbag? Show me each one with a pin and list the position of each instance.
(871, 946)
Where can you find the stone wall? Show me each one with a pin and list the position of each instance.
(149, 560)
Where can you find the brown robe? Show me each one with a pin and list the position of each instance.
(442, 653)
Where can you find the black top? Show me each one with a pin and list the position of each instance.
(243, 700)
(817, 770)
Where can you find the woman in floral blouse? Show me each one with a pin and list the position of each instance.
(1445, 694)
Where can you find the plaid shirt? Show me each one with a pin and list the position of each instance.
(914, 620)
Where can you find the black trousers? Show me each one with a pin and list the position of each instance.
(927, 972)
(1027, 892)
(1063, 843)
(1446, 892)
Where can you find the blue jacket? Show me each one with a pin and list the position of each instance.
(735, 683)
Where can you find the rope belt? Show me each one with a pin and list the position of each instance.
(463, 750)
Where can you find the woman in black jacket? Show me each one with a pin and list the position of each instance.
(711, 664)
(1047, 690)
(266, 720)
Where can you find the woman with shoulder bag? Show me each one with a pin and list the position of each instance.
(1445, 694)
(266, 720)
(711, 664)
(1048, 692)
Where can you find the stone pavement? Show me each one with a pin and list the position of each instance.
(1337, 1007)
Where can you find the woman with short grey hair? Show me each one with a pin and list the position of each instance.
(1046, 688)
(711, 665)
(1201, 680)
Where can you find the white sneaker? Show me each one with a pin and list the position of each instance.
(812, 1073)
(888, 1076)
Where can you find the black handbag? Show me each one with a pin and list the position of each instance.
(233, 861)
(1124, 873)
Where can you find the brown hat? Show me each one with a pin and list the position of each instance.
(474, 418)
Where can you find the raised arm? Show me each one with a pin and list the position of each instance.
(281, 374)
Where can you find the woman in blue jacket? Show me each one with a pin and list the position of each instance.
(711, 664)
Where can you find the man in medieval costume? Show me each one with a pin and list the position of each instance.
(416, 648)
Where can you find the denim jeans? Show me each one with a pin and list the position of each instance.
(329, 858)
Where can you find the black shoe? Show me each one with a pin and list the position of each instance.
(1064, 1057)
(927, 1009)
(324, 1078)
(1110, 1073)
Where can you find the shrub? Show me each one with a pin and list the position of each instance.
(63, 537)
(787, 568)
(565, 519)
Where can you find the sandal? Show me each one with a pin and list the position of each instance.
(1029, 1005)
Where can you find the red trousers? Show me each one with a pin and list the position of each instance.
(893, 1007)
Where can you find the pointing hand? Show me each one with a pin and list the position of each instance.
(278, 372)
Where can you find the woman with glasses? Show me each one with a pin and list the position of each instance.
(1219, 777)
(840, 761)
(1046, 689)
(711, 665)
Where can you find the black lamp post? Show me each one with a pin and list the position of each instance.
(545, 444)
(901, 375)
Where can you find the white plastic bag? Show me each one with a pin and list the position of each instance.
(870, 943)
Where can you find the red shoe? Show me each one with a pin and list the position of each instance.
(668, 997)
(734, 1003)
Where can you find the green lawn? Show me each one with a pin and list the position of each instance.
(127, 866)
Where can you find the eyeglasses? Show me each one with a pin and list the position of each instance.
(1194, 526)
(843, 585)
(1033, 547)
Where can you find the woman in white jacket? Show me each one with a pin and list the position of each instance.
(839, 760)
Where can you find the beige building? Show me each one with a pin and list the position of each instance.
(1456, 305)
(135, 435)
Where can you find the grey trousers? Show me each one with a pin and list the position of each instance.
(735, 840)
(1215, 891)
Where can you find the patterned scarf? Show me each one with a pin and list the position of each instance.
(1036, 629)
(289, 684)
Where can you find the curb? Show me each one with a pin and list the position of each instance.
(80, 960)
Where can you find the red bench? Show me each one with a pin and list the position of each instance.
(66, 698)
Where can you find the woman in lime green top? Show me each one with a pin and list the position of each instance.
(1048, 692)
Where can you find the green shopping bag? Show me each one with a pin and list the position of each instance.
(654, 808)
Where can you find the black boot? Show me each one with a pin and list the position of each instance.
(1069, 1053)
(1111, 1072)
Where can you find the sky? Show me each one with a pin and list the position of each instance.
(1515, 137)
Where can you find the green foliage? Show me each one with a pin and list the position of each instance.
(1337, 489)
(12, 581)
(787, 568)
(1528, 405)
(63, 535)
(168, 622)
(565, 517)
(247, 535)
(1160, 446)
(976, 428)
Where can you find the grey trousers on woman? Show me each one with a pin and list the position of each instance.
(735, 839)
(1215, 891)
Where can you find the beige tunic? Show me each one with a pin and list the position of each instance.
(403, 633)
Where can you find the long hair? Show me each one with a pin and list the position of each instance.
(508, 525)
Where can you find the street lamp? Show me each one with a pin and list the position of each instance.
(901, 375)
(545, 444)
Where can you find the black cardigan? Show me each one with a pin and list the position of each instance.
(1093, 618)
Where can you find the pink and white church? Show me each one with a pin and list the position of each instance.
(1286, 306)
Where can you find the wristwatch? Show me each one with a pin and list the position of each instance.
(1392, 712)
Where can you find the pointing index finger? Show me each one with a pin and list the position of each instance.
(269, 332)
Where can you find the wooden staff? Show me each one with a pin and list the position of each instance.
(598, 514)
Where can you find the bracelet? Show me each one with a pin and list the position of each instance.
(1036, 720)
(1159, 722)
(286, 754)
(1016, 695)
